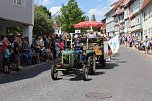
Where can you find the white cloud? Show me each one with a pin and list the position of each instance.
(55, 9)
(98, 12)
(43, 2)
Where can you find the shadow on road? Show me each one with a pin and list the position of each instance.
(98, 73)
(116, 55)
(109, 65)
(78, 78)
(25, 74)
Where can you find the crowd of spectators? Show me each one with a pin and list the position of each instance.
(135, 42)
(16, 51)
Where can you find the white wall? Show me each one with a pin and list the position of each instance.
(20, 13)
(126, 13)
(27, 32)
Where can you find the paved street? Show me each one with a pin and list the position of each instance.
(127, 77)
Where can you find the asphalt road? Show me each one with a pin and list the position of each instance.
(127, 77)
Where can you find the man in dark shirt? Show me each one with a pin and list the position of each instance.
(17, 48)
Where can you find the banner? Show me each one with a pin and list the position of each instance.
(114, 44)
(106, 49)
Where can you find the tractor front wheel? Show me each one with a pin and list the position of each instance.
(54, 72)
(85, 73)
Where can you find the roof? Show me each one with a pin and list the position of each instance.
(145, 3)
(119, 12)
(128, 2)
(112, 7)
(117, 4)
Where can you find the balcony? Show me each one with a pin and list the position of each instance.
(135, 11)
(136, 27)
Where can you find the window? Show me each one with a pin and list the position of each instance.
(19, 2)
(149, 31)
(149, 13)
(144, 16)
(146, 32)
(138, 20)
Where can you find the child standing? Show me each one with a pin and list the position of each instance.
(109, 53)
(6, 60)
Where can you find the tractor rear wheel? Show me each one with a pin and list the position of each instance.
(93, 66)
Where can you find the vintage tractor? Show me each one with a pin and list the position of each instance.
(78, 61)
(70, 61)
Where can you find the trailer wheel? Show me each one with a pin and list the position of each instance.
(85, 73)
(104, 63)
(54, 72)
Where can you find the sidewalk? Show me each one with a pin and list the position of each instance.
(31, 66)
(143, 52)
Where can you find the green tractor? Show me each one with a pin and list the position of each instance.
(74, 60)
(80, 61)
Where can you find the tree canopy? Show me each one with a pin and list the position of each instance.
(43, 24)
(70, 15)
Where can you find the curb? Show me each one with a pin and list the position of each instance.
(31, 66)
(34, 66)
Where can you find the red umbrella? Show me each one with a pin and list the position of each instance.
(86, 24)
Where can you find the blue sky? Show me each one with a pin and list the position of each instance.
(90, 7)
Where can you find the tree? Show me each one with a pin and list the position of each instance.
(13, 30)
(93, 18)
(43, 24)
(45, 10)
(70, 15)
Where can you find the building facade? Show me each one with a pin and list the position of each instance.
(15, 13)
(119, 17)
(127, 28)
(110, 22)
(147, 18)
(135, 18)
